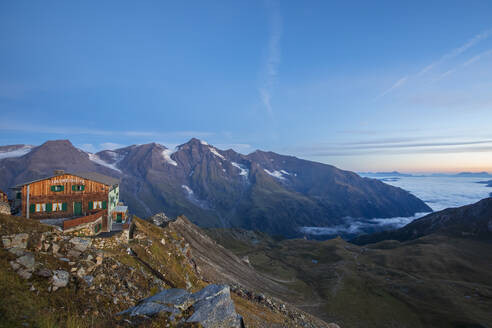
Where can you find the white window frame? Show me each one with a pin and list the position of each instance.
(57, 207)
(41, 207)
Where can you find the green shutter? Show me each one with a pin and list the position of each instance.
(62, 188)
(49, 207)
(91, 205)
(82, 187)
(74, 187)
(53, 188)
(64, 206)
(105, 204)
(32, 208)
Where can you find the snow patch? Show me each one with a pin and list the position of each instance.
(216, 153)
(115, 156)
(203, 142)
(166, 153)
(242, 171)
(275, 174)
(187, 189)
(96, 159)
(284, 172)
(15, 153)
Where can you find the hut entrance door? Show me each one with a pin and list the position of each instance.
(77, 208)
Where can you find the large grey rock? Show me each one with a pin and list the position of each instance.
(80, 244)
(214, 308)
(60, 278)
(28, 261)
(19, 240)
(170, 300)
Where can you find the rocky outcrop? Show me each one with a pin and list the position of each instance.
(212, 307)
(160, 219)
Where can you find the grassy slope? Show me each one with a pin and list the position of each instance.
(78, 306)
(431, 282)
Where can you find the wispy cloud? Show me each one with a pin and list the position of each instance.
(451, 54)
(397, 84)
(478, 57)
(273, 57)
(394, 146)
(457, 51)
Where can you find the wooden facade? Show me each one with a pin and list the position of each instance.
(78, 199)
(63, 196)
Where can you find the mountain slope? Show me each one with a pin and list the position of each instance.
(473, 220)
(437, 280)
(52, 279)
(214, 188)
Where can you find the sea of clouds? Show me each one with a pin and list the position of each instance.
(437, 192)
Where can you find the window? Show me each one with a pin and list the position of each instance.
(78, 187)
(57, 188)
(97, 204)
(57, 207)
(18, 195)
(40, 207)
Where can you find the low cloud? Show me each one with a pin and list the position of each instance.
(351, 227)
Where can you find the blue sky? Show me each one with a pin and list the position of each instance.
(361, 85)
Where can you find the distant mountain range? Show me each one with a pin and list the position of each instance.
(220, 188)
(398, 174)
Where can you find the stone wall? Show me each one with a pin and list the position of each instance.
(4, 208)
(87, 229)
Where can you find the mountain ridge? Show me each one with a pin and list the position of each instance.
(216, 188)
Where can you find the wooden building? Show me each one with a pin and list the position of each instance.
(69, 195)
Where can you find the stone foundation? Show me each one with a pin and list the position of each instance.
(4, 208)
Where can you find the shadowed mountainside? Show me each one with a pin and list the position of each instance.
(214, 188)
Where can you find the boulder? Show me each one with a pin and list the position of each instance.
(28, 261)
(212, 306)
(60, 278)
(169, 300)
(80, 244)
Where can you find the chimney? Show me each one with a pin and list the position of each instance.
(59, 172)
